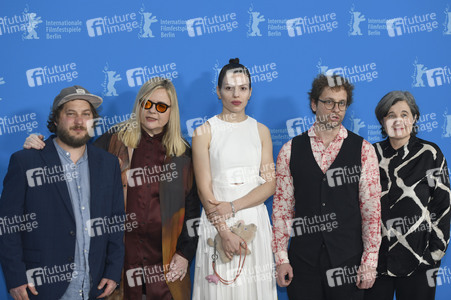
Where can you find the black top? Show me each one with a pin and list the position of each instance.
(327, 204)
(415, 206)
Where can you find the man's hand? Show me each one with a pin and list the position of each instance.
(110, 287)
(283, 270)
(178, 268)
(366, 276)
(20, 293)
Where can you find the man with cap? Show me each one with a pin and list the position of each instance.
(62, 210)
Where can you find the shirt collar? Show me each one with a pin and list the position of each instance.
(407, 147)
(342, 133)
(147, 137)
(66, 154)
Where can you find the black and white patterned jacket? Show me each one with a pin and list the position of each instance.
(415, 205)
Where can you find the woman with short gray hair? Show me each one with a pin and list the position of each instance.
(415, 204)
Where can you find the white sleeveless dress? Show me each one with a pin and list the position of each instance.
(235, 157)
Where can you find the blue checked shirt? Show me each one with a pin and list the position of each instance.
(79, 192)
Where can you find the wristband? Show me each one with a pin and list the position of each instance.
(233, 209)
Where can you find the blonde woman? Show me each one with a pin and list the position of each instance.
(160, 193)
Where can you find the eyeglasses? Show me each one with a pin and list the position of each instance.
(159, 106)
(329, 104)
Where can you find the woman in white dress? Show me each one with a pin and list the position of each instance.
(234, 169)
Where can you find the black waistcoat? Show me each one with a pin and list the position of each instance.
(327, 205)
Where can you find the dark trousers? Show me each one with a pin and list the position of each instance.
(322, 281)
(418, 286)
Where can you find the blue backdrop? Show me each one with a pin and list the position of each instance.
(112, 47)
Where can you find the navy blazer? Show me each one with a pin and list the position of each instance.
(51, 240)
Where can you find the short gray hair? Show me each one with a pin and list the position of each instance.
(390, 99)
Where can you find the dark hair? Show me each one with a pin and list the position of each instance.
(390, 99)
(335, 82)
(234, 64)
(55, 114)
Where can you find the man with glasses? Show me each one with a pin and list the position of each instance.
(328, 200)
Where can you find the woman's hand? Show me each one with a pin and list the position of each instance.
(34, 141)
(220, 210)
(178, 268)
(231, 243)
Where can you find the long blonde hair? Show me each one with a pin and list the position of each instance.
(130, 131)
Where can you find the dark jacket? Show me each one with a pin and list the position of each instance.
(51, 243)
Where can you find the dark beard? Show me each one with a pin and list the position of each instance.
(64, 136)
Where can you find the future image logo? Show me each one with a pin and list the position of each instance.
(192, 124)
(111, 25)
(366, 72)
(49, 275)
(394, 27)
(210, 25)
(310, 25)
(348, 275)
(51, 74)
(98, 126)
(193, 226)
(437, 176)
(93, 128)
(266, 72)
(16, 224)
(49, 175)
(148, 175)
(138, 76)
(146, 275)
(438, 276)
(18, 123)
(395, 225)
(340, 276)
(341, 176)
(409, 224)
(314, 224)
(135, 277)
(297, 126)
(410, 25)
(110, 225)
(438, 76)
(434, 76)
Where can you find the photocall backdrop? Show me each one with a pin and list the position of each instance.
(112, 47)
